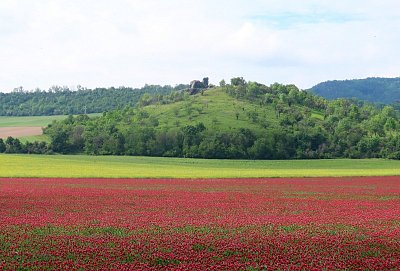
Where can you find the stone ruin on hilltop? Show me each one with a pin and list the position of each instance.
(197, 86)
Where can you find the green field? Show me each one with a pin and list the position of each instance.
(28, 121)
(31, 121)
(148, 167)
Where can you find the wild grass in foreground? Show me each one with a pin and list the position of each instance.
(81, 166)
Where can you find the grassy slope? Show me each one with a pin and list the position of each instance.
(147, 167)
(215, 109)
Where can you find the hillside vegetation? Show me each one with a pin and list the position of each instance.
(240, 120)
(375, 90)
(63, 101)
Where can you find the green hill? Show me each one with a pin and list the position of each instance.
(375, 90)
(245, 120)
(215, 109)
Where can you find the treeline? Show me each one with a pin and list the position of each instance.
(14, 145)
(63, 101)
(340, 129)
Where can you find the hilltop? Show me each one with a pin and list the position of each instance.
(375, 90)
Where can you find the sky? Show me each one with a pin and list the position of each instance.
(133, 42)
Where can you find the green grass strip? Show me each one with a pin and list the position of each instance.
(81, 166)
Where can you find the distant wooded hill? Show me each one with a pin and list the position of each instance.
(375, 90)
(63, 101)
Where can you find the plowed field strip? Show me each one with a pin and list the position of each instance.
(19, 131)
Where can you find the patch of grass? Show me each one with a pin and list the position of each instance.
(30, 121)
(38, 138)
(230, 252)
(317, 115)
(165, 262)
(389, 197)
(290, 228)
(82, 166)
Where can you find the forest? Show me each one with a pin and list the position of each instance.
(64, 101)
(265, 122)
(374, 90)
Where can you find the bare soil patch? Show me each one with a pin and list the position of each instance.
(20, 131)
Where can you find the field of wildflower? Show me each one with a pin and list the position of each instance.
(350, 223)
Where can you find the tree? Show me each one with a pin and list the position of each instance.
(13, 145)
(391, 125)
(2, 146)
(262, 149)
(238, 81)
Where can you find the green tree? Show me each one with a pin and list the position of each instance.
(13, 145)
(2, 146)
(238, 81)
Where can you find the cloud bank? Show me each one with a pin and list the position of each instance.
(131, 42)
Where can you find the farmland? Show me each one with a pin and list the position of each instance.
(143, 213)
(200, 224)
(81, 166)
(34, 121)
(28, 128)
(20, 131)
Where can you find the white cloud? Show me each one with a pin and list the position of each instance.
(132, 42)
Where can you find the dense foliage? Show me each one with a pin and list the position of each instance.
(14, 145)
(376, 90)
(308, 127)
(63, 101)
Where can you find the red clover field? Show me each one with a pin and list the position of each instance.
(350, 223)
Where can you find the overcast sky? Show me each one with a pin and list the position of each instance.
(132, 42)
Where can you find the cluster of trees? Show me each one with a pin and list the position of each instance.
(14, 145)
(374, 90)
(280, 96)
(63, 101)
(308, 127)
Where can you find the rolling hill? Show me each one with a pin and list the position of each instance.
(244, 120)
(375, 90)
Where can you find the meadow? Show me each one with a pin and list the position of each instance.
(83, 166)
(29, 121)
